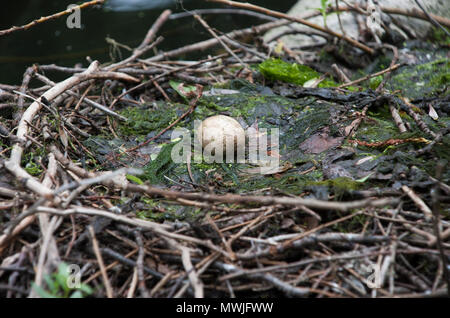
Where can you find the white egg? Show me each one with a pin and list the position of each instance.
(216, 130)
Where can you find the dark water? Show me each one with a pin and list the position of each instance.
(53, 42)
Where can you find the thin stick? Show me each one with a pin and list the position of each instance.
(432, 20)
(133, 284)
(101, 264)
(208, 28)
(161, 283)
(151, 34)
(190, 270)
(203, 45)
(48, 236)
(419, 202)
(50, 17)
(140, 265)
(397, 119)
(109, 266)
(136, 53)
(143, 84)
(362, 79)
(437, 224)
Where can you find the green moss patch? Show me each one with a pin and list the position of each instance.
(424, 80)
(276, 69)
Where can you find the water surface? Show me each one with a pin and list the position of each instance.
(53, 42)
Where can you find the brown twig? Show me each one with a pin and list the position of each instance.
(362, 79)
(208, 28)
(51, 17)
(101, 264)
(437, 224)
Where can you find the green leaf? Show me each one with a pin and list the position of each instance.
(176, 86)
(134, 179)
(51, 284)
(77, 294)
(86, 289)
(62, 282)
(41, 292)
(364, 179)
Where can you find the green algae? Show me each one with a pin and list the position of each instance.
(142, 121)
(30, 164)
(288, 182)
(276, 69)
(161, 210)
(155, 171)
(340, 185)
(439, 36)
(424, 80)
(374, 82)
(297, 119)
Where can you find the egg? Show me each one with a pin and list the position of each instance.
(216, 130)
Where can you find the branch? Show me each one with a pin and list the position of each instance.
(50, 17)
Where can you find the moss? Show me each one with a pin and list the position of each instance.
(248, 106)
(142, 121)
(108, 152)
(294, 183)
(288, 182)
(428, 79)
(206, 107)
(31, 164)
(438, 35)
(355, 224)
(158, 210)
(339, 185)
(161, 210)
(306, 122)
(31, 161)
(276, 69)
(378, 126)
(375, 81)
(154, 171)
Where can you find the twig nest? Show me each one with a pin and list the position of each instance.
(217, 131)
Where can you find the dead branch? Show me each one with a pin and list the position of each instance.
(51, 17)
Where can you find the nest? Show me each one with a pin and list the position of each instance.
(68, 212)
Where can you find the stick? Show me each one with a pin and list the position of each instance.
(437, 223)
(362, 79)
(419, 202)
(101, 264)
(50, 17)
(151, 34)
(208, 28)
